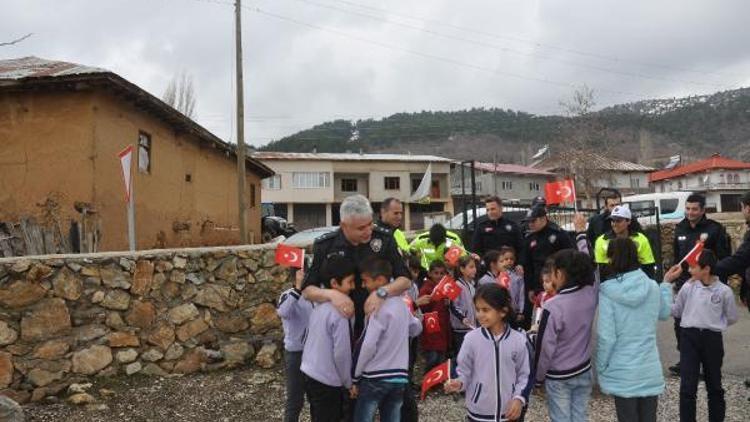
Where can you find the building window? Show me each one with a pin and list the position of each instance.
(144, 152)
(392, 183)
(679, 184)
(533, 186)
(635, 182)
(415, 184)
(507, 185)
(348, 185)
(272, 183)
(311, 180)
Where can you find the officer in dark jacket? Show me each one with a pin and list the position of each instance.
(739, 262)
(542, 241)
(599, 223)
(356, 238)
(692, 229)
(493, 231)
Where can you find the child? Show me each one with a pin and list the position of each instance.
(294, 311)
(327, 356)
(382, 362)
(494, 364)
(434, 345)
(491, 260)
(507, 264)
(463, 317)
(563, 343)
(548, 293)
(706, 308)
(409, 409)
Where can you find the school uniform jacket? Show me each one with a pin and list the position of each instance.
(383, 352)
(463, 307)
(563, 343)
(493, 372)
(517, 288)
(327, 356)
(294, 311)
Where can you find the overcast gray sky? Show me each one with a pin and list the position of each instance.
(311, 61)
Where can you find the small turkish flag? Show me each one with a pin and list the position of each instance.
(446, 289)
(452, 255)
(503, 279)
(436, 376)
(431, 322)
(409, 303)
(694, 254)
(290, 256)
(563, 191)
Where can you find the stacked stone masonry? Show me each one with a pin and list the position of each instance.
(66, 318)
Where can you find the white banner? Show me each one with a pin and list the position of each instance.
(422, 194)
(126, 158)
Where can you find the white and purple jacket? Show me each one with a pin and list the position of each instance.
(327, 356)
(494, 371)
(383, 352)
(294, 311)
(463, 307)
(563, 343)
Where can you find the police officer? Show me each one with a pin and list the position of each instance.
(624, 225)
(599, 223)
(692, 229)
(542, 241)
(739, 262)
(356, 238)
(493, 231)
(433, 244)
(391, 216)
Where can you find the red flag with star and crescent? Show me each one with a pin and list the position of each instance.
(446, 289)
(290, 256)
(560, 192)
(431, 322)
(503, 279)
(436, 376)
(692, 257)
(452, 255)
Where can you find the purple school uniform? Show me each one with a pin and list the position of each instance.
(517, 294)
(563, 343)
(327, 356)
(294, 311)
(463, 307)
(384, 350)
(494, 371)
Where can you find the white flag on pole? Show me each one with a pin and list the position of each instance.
(126, 158)
(422, 194)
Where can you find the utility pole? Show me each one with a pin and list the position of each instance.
(240, 126)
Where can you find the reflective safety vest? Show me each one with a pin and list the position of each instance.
(645, 254)
(429, 252)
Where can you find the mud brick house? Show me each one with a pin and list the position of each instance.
(61, 188)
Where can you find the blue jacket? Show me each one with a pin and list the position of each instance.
(627, 358)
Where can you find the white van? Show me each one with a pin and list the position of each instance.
(671, 206)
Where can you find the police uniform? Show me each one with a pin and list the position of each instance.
(686, 236)
(538, 246)
(381, 245)
(643, 249)
(598, 225)
(398, 235)
(494, 234)
(428, 252)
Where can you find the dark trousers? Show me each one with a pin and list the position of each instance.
(326, 402)
(409, 409)
(295, 388)
(636, 409)
(677, 329)
(701, 348)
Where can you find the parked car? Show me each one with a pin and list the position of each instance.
(671, 206)
(306, 238)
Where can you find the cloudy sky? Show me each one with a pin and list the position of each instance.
(311, 61)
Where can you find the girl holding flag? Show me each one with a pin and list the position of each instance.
(503, 392)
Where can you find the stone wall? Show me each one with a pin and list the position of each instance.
(68, 317)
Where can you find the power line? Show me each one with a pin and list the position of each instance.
(510, 50)
(537, 43)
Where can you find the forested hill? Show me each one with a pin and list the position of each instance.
(646, 131)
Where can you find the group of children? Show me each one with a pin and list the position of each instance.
(497, 363)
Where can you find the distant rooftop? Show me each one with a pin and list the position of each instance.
(35, 67)
(325, 156)
(715, 162)
(593, 160)
(511, 169)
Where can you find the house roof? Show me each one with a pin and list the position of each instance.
(512, 169)
(592, 160)
(307, 156)
(715, 162)
(34, 73)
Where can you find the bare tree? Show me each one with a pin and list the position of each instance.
(16, 41)
(583, 147)
(180, 94)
